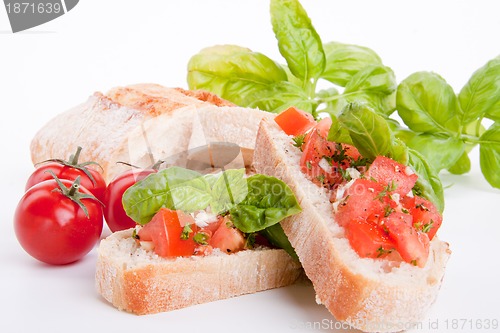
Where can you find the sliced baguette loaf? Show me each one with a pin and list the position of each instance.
(140, 282)
(371, 295)
(141, 124)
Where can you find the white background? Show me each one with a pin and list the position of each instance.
(102, 44)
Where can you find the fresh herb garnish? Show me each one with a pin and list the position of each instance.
(339, 155)
(298, 141)
(428, 226)
(201, 238)
(359, 162)
(386, 190)
(422, 207)
(250, 240)
(186, 231)
(388, 210)
(381, 252)
(441, 125)
(320, 178)
(135, 235)
(424, 227)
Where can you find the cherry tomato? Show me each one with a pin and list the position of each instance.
(91, 179)
(115, 215)
(58, 221)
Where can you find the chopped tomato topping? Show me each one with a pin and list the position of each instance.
(412, 245)
(323, 161)
(369, 240)
(390, 173)
(175, 234)
(377, 210)
(374, 221)
(362, 200)
(294, 121)
(166, 233)
(426, 217)
(228, 238)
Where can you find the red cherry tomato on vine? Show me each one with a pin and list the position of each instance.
(91, 179)
(58, 224)
(115, 215)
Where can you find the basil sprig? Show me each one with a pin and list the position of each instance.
(251, 79)
(444, 126)
(441, 126)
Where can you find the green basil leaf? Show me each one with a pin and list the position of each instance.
(403, 133)
(230, 188)
(327, 101)
(494, 112)
(428, 183)
(212, 178)
(374, 85)
(280, 96)
(343, 61)
(338, 133)
(426, 103)
(173, 188)
(440, 151)
(489, 154)
(268, 201)
(276, 236)
(474, 129)
(481, 94)
(376, 79)
(461, 166)
(292, 78)
(233, 72)
(188, 198)
(399, 152)
(368, 130)
(298, 41)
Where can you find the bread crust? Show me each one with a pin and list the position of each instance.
(378, 299)
(152, 284)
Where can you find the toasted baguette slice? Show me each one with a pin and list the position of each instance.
(371, 295)
(144, 123)
(140, 282)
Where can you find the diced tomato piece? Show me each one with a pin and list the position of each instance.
(390, 173)
(412, 245)
(322, 160)
(426, 217)
(227, 238)
(213, 226)
(323, 126)
(165, 231)
(294, 121)
(369, 240)
(361, 200)
(315, 161)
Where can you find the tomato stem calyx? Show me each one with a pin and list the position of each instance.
(155, 166)
(73, 163)
(73, 192)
